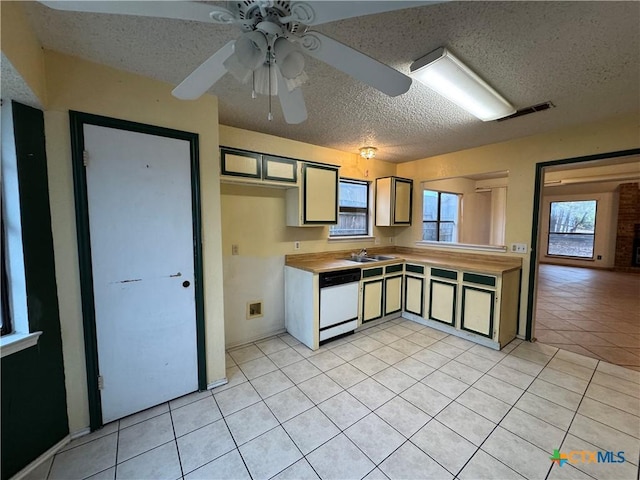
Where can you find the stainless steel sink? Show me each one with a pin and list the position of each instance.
(369, 258)
(361, 259)
(381, 257)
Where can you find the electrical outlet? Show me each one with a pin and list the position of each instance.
(296, 245)
(519, 247)
(599, 257)
(377, 241)
(234, 249)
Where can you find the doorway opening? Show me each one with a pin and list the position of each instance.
(582, 294)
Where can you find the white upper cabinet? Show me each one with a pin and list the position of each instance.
(315, 202)
(394, 199)
(240, 166)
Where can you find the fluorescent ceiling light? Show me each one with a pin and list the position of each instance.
(441, 71)
(614, 177)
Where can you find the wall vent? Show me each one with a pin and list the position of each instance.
(529, 110)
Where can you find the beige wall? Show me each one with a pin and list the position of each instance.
(74, 84)
(519, 157)
(253, 218)
(21, 47)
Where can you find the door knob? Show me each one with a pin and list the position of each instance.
(186, 283)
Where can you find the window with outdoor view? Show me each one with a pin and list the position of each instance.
(572, 228)
(353, 212)
(5, 319)
(440, 216)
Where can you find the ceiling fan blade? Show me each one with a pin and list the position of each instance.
(195, 11)
(203, 77)
(356, 64)
(292, 102)
(317, 12)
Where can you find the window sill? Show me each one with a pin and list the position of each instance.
(463, 246)
(15, 342)
(352, 238)
(567, 257)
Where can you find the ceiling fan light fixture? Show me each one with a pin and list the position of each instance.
(368, 152)
(251, 49)
(292, 83)
(444, 73)
(288, 57)
(236, 68)
(265, 80)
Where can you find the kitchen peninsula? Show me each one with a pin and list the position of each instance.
(472, 296)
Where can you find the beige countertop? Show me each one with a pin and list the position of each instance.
(331, 261)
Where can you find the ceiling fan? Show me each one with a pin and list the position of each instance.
(269, 53)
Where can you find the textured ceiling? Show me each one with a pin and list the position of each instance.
(582, 56)
(14, 87)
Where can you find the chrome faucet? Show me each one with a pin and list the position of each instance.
(362, 252)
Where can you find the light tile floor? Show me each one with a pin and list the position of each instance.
(591, 312)
(398, 401)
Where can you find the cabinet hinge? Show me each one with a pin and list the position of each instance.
(85, 158)
(100, 382)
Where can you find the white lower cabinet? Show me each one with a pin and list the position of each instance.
(393, 288)
(392, 294)
(477, 313)
(414, 289)
(443, 295)
(480, 307)
(372, 294)
(381, 292)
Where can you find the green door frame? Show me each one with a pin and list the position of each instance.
(77, 121)
(537, 198)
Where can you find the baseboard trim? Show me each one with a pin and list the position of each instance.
(41, 459)
(217, 383)
(80, 433)
(255, 339)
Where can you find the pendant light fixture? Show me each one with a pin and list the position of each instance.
(368, 152)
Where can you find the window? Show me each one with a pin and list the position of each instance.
(572, 227)
(353, 212)
(5, 320)
(440, 216)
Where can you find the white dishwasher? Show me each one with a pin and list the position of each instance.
(338, 302)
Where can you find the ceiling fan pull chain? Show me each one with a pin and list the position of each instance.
(270, 115)
(254, 95)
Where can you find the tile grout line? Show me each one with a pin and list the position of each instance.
(573, 418)
(504, 416)
(316, 405)
(175, 437)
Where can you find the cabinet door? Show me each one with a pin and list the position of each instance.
(279, 169)
(320, 190)
(414, 295)
(371, 300)
(477, 310)
(392, 294)
(403, 192)
(237, 163)
(442, 301)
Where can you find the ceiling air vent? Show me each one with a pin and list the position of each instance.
(528, 110)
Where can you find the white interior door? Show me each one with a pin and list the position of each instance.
(140, 217)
